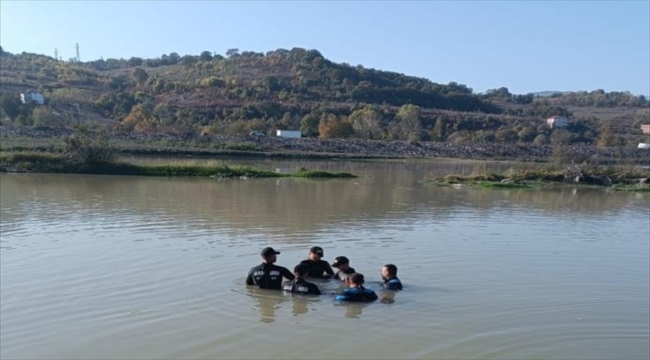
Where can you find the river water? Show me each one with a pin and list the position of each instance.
(118, 267)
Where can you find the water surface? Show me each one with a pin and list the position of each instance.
(132, 267)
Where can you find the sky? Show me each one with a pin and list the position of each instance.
(526, 46)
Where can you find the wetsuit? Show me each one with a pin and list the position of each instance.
(393, 284)
(268, 276)
(316, 269)
(341, 275)
(301, 286)
(358, 294)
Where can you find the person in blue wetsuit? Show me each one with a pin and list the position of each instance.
(299, 285)
(389, 275)
(356, 292)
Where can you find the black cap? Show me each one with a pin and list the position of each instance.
(317, 250)
(340, 260)
(268, 251)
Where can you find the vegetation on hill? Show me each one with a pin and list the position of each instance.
(297, 89)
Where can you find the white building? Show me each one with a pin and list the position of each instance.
(32, 96)
(644, 145)
(557, 122)
(289, 134)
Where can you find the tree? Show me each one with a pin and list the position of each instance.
(332, 126)
(506, 136)
(366, 123)
(561, 137)
(119, 82)
(205, 56)
(309, 125)
(141, 119)
(135, 61)
(188, 60)
(9, 105)
(44, 117)
(174, 58)
(606, 137)
(527, 134)
(409, 123)
(501, 93)
(232, 52)
(439, 132)
(540, 139)
(140, 75)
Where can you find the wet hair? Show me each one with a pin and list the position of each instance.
(300, 269)
(357, 279)
(392, 269)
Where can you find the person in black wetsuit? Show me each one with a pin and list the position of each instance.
(316, 266)
(299, 285)
(389, 275)
(343, 265)
(267, 275)
(356, 291)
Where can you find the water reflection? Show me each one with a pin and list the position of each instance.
(387, 296)
(288, 206)
(353, 310)
(299, 306)
(268, 302)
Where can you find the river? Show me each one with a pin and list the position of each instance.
(119, 267)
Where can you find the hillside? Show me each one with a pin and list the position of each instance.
(299, 89)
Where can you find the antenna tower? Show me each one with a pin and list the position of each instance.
(56, 54)
(77, 46)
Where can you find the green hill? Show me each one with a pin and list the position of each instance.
(297, 89)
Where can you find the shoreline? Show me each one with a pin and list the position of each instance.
(51, 140)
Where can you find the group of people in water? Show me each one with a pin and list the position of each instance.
(270, 276)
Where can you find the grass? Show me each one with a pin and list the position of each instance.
(633, 187)
(243, 146)
(56, 163)
(627, 178)
(500, 185)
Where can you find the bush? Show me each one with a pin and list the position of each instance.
(82, 148)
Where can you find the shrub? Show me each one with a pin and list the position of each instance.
(82, 148)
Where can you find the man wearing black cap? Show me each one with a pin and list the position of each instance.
(267, 275)
(316, 266)
(343, 265)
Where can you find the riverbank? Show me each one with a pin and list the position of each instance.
(50, 140)
(57, 163)
(627, 179)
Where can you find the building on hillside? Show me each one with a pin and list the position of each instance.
(288, 134)
(644, 146)
(30, 97)
(645, 129)
(557, 122)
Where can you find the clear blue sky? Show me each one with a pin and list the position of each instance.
(525, 46)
